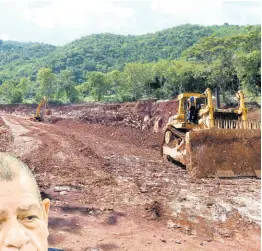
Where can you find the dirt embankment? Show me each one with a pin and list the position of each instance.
(147, 114)
(141, 115)
(5, 136)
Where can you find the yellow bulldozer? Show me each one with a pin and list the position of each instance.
(38, 116)
(218, 143)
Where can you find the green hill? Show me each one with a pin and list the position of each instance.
(103, 52)
(117, 67)
(17, 52)
(21, 59)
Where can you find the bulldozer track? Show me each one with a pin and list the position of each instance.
(177, 132)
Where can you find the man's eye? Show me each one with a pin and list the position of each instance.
(30, 217)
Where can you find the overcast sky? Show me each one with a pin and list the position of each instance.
(61, 21)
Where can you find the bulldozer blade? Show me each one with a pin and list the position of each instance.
(224, 153)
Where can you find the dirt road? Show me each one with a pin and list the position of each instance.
(111, 191)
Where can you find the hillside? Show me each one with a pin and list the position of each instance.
(127, 68)
(103, 52)
(18, 52)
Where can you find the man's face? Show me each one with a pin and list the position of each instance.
(23, 218)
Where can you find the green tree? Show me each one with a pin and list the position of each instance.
(97, 85)
(46, 78)
(9, 93)
(248, 68)
(117, 85)
(25, 87)
(138, 78)
(66, 86)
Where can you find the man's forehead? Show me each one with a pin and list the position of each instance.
(23, 207)
(19, 194)
(22, 180)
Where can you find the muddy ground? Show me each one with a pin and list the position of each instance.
(101, 167)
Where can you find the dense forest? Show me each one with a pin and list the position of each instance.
(124, 68)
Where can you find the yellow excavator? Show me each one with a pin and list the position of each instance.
(38, 116)
(218, 143)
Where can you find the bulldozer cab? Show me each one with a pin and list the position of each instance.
(207, 115)
(181, 118)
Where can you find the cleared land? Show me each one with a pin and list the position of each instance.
(100, 165)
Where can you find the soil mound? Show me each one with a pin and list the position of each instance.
(5, 136)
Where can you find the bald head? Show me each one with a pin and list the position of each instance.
(12, 168)
(23, 216)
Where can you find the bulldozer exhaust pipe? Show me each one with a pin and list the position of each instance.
(217, 93)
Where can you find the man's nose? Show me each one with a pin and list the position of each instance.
(15, 235)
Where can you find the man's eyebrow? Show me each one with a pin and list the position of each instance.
(3, 213)
(28, 208)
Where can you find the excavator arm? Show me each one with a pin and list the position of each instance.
(37, 116)
(38, 109)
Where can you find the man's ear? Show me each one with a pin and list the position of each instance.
(46, 207)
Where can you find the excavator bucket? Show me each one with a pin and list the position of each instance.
(223, 153)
